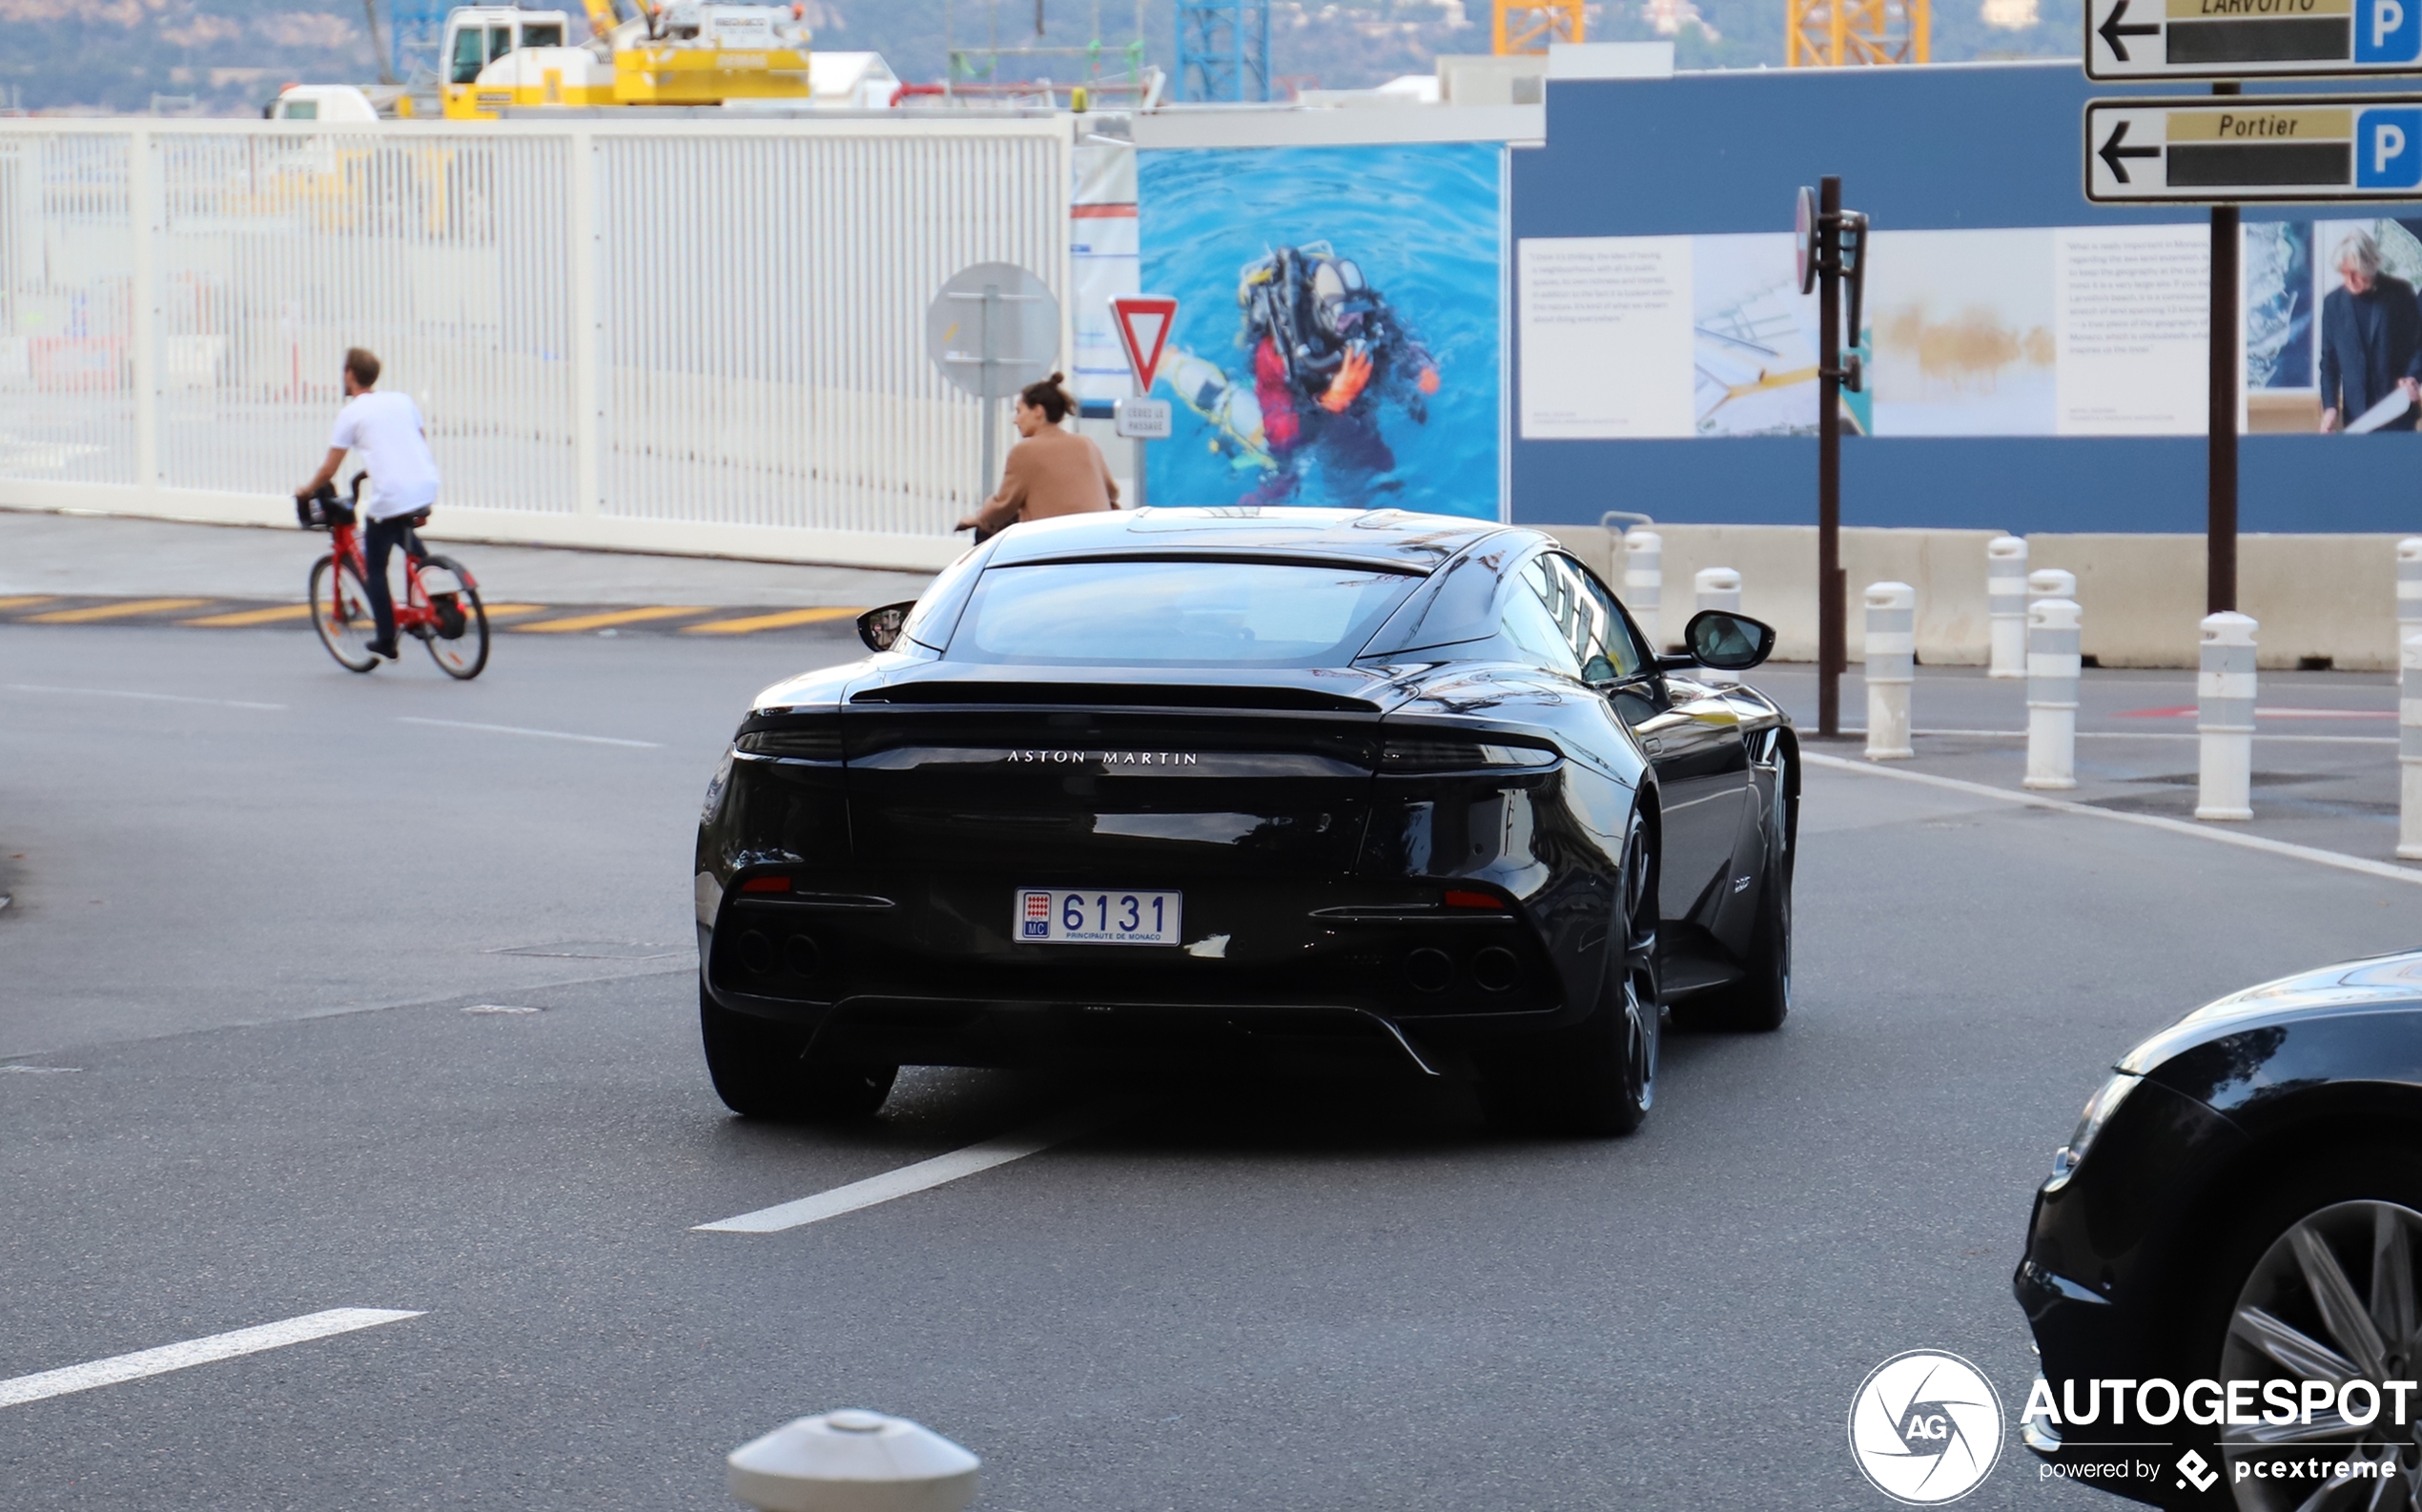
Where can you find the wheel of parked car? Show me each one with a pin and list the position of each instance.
(2314, 1282)
(760, 1072)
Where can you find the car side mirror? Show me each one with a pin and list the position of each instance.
(1598, 671)
(1728, 642)
(880, 629)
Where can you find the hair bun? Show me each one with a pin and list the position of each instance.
(1058, 377)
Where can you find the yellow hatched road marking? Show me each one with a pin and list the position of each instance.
(769, 622)
(20, 601)
(244, 617)
(113, 611)
(600, 622)
(494, 609)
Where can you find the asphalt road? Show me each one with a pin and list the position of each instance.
(254, 933)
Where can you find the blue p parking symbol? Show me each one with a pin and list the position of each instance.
(2388, 31)
(2388, 146)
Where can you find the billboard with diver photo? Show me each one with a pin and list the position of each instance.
(1338, 324)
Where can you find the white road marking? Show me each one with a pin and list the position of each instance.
(2151, 734)
(38, 1070)
(155, 698)
(158, 1361)
(911, 1179)
(543, 734)
(501, 1008)
(2181, 827)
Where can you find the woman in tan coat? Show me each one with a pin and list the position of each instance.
(1051, 472)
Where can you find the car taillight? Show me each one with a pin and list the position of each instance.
(818, 742)
(1460, 898)
(766, 884)
(1402, 754)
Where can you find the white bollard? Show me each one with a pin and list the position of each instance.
(1644, 581)
(1718, 588)
(2006, 598)
(2225, 717)
(1892, 667)
(2410, 748)
(2051, 693)
(2051, 583)
(852, 1461)
(2409, 586)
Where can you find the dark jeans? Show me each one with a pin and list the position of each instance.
(379, 539)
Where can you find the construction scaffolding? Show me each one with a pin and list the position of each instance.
(1856, 34)
(1224, 50)
(1530, 26)
(997, 73)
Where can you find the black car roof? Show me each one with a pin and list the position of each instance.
(1389, 538)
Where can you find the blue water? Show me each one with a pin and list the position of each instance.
(1421, 220)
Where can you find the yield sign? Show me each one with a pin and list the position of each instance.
(1144, 320)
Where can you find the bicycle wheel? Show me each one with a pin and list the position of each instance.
(465, 653)
(341, 612)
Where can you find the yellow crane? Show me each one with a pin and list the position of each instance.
(1856, 33)
(1529, 25)
(640, 52)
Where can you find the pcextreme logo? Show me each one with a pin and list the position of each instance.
(1925, 1427)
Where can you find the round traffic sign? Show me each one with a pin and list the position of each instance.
(993, 329)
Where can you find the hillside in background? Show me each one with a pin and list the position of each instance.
(230, 55)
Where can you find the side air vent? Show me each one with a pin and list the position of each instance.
(1114, 694)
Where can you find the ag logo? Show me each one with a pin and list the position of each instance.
(1925, 1427)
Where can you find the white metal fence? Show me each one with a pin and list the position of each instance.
(619, 329)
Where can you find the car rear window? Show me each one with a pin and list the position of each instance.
(1196, 613)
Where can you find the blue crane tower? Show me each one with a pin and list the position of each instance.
(415, 29)
(1224, 50)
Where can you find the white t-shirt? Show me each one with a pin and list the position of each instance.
(385, 431)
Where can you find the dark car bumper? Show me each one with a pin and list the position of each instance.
(2100, 1279)
(922, 970)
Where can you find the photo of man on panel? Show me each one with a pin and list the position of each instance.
(2371, 343)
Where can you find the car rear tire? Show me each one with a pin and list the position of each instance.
(1599, 1077)
(761, 1070)
(2347, 1222)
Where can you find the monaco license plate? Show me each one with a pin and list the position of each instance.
(1096, 916)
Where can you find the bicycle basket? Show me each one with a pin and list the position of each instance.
(321, 510)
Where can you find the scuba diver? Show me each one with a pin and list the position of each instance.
(1328, 350)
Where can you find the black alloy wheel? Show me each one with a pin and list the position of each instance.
(1599, 1078)
(761, 1070)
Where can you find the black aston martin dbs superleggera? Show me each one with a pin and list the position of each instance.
(1288, 786)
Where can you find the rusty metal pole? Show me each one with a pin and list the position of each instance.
(1832, 653)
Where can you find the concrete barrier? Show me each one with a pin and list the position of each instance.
(2317, 596)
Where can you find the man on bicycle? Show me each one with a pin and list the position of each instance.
(386, 430)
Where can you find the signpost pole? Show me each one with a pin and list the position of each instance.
(2220, 524)
(1831, 652)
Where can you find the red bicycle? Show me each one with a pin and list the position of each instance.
(440, 606)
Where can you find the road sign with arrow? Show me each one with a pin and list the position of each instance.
(2252, 149)
(2239, 39)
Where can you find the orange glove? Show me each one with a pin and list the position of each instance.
(1353, 375)
(1427, 382)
